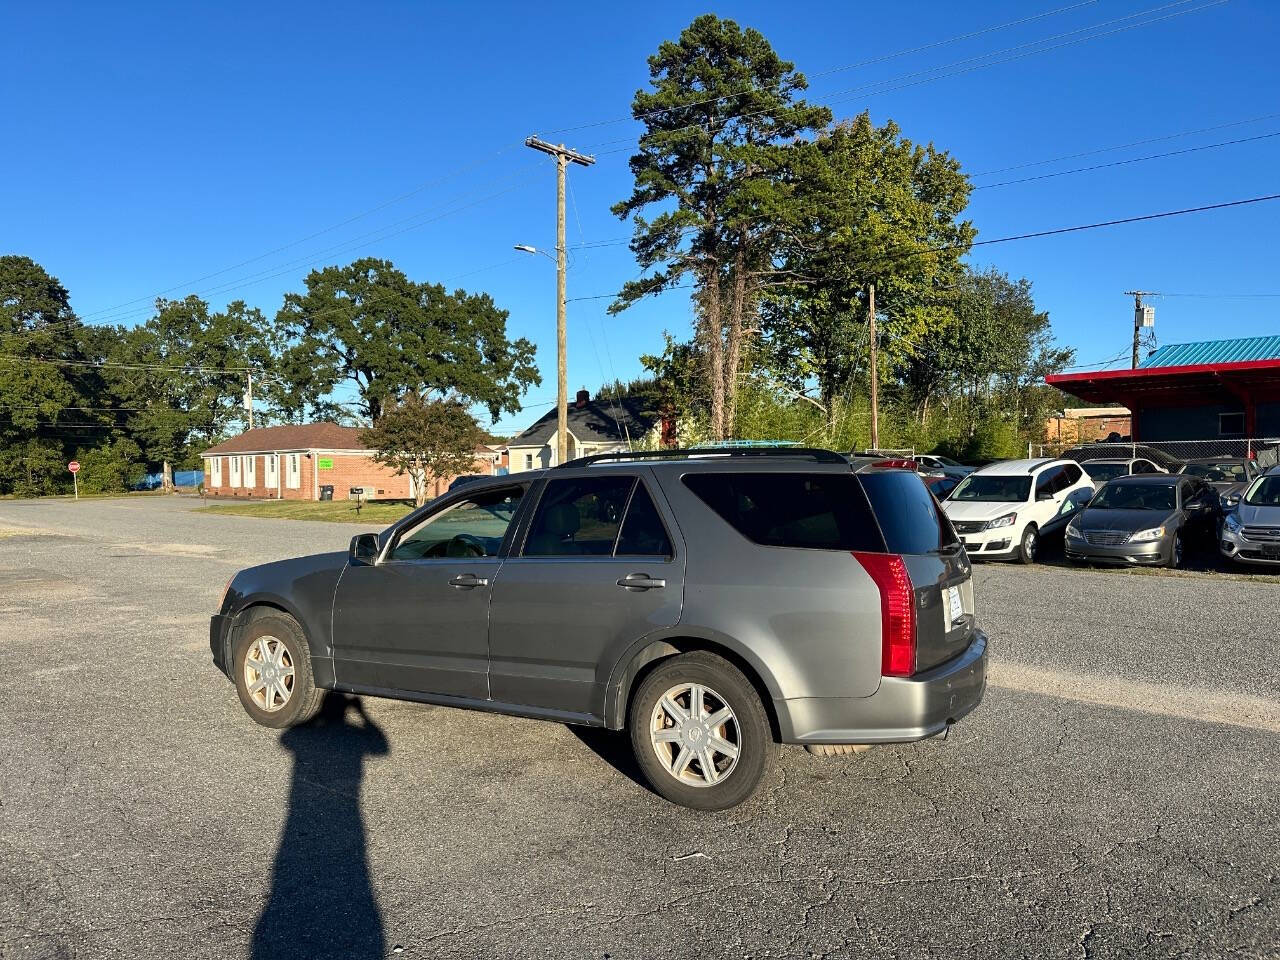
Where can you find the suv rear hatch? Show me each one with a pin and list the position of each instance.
(937, 573)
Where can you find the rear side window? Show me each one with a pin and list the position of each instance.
(643, 534)
(908, 515)
(817, 511)
(597, 516)
(578, 517)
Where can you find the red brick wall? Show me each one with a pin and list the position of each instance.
(348, 470)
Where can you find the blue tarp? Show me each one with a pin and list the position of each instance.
(181, 478)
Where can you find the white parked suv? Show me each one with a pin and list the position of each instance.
(1001, 511)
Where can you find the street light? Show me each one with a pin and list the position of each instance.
(562, 384)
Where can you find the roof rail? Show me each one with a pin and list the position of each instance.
(1038, 462)
(792, 453)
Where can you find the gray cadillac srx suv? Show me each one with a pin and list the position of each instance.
(710, 602)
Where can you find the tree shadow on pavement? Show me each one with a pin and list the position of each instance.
(322, 903)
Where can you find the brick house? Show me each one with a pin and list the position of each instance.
(294, 461)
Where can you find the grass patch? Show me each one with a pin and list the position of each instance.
(341, 511)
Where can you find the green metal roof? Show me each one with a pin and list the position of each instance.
(1214, 351)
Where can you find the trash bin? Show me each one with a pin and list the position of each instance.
(326, 491)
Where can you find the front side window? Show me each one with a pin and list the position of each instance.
(992, 488)
(816, 511)
(475, 527)
(1048, 482)
(579, 517)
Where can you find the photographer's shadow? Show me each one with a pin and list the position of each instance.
(322, 903)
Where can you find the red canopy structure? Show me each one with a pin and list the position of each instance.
(1242, 385)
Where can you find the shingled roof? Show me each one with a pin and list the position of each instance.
(595, 421)
(291, 436)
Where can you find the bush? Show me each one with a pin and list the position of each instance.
(110, 468)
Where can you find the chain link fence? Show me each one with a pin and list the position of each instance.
(1169, 454)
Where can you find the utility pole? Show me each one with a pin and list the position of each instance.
(564, 156)
(1139, 318)
(875, 371)
(248, 398)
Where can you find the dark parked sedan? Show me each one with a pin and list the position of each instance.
(1227, 475)
(1145, 519)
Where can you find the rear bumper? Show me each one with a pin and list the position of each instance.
(900, 711)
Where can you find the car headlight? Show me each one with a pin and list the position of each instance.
(1232, 523)
(1005, 521)
(1155, 533)
(1074, 532)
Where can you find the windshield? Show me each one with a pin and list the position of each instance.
(1224, 471)
(1264, 493)
(1105, 471)
(1136, 496)
(992, 488)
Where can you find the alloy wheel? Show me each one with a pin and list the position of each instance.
(268, 673)
(695, 735)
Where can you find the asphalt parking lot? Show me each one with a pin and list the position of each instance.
(1117, 794)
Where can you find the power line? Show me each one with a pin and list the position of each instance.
(374, 236)
(1222, 296)
(841, 67)
(971, 64)
(329, 229)
(1125, 146)
(1121, 163)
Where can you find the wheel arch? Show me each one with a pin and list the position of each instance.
(633, 666)
(259, 605)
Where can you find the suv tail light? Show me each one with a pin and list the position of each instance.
(897, 611)
(896, 464)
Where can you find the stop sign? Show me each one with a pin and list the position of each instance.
(74, 466)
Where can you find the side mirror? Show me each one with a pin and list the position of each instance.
(364, 548)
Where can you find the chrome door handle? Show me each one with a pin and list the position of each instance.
(641, 581)
(465, 581)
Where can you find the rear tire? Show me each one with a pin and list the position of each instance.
(271, 667)
(686, 755)
(1029, 545)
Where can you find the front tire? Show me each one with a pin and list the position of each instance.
(1029, 545)
(271, 666)
(700, 732)
(1174, 560)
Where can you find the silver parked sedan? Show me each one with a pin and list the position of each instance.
(1143, 520)
(1251, 532)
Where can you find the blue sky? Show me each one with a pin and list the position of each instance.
(147, 148)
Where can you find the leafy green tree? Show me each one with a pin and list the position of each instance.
(872, 207)
(427, 439)
(110, 467)
(369, 325)
(720, 122)
(39, 379)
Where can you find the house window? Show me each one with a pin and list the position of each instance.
(528, 461)
(235, 472)
(293, 477)
(1231, 424)
(251, 472)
